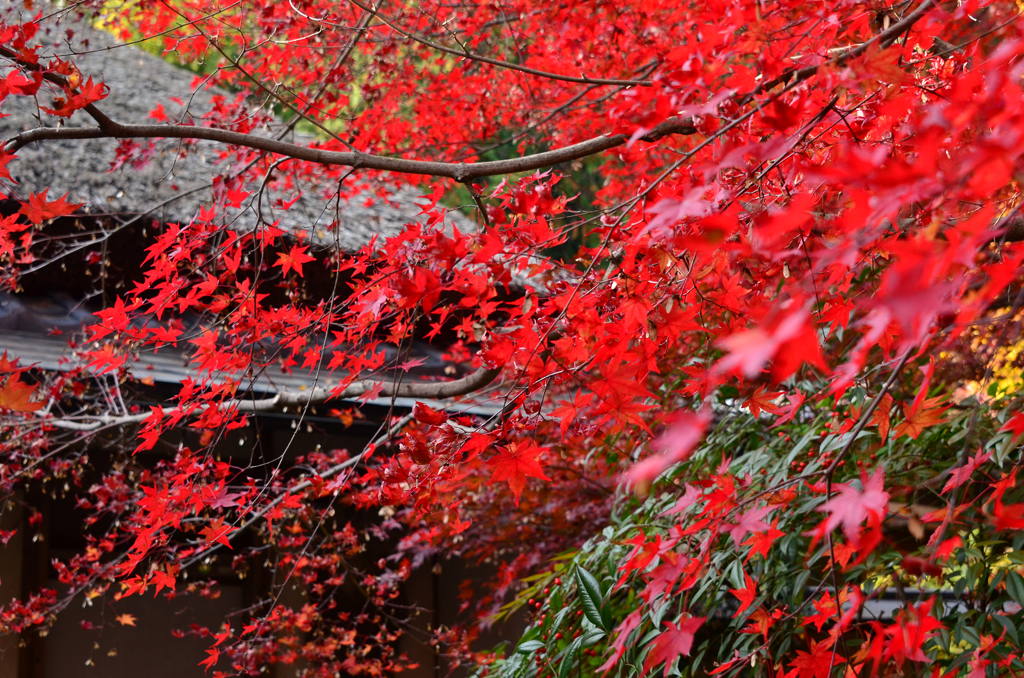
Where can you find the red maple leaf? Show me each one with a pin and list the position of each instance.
(268, 234)
(211, 660)
(428, 415)
(4, 172)
(843, 552)
(217, 532)
(163, 579)
(761, 542)
(675, 445)
(6, 366)
(921, 415)
(1008, 516)
(946, 548)
(791, 342)
(746, 595)
(962, 474)
(826, 608)
(159, 114)
(224, 499)
(294, 259)
(568, 409)
(234, 198)
(818, 662)
(790, 409)
(851, 507)
(881, 418)
(762, 401)
(1015, 424)
(38, 210)
(514, 464)
(622, 391)
(88, 92)
(913, 628)
(670, 644)
(782, 115)
(16, 395)
(750, 521)
(761, 621)
(642, 554)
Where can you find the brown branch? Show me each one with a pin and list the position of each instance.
(107, 128)
(458, 171)
(428, 390)
(96, 114)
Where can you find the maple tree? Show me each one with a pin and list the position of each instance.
(712, 431)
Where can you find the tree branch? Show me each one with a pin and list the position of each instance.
(458, 171)
(428, 390)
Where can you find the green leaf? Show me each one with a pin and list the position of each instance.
(529, 647)
(994, 583)
(971, 635)
(1007, 624)
(556, 623)
(946, 639)
(1015, 587)
(555, 601)
(590, 598)
(591, 638)
(569, 660)
(658, 611)
(959, 586)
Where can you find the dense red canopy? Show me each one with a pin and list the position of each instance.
(680, 210)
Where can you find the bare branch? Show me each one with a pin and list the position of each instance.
(458, 171)
(427, 390)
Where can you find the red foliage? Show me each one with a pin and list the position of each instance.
(790, 194)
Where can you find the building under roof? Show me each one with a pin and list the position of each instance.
(169, 188)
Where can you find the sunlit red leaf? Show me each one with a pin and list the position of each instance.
(38, 209)
(16, 395)
(514, 464)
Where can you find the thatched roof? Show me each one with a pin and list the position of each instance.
(139, 82)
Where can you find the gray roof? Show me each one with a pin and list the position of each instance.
(171, 366)
(138, 82)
